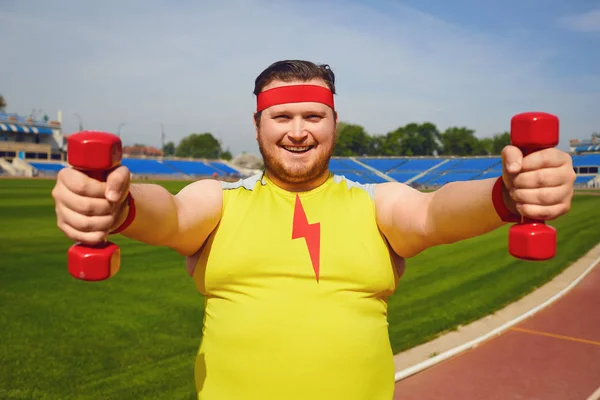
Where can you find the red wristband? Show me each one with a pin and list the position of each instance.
(503, 212)
(130, 215)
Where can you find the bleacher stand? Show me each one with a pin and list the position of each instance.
(432, 172)
(148, 167)
(193, 168)
(28, 138)
(47, 167)
(32, 147)
(354, 171)
(586, 166)
(224, 168)
(421, 172)
(153, 169)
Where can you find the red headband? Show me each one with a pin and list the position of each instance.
(294, 94)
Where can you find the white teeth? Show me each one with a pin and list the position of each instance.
(296, 149)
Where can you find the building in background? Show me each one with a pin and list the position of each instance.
(591, 145)
(26, 137)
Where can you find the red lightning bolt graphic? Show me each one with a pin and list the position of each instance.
(310, 232)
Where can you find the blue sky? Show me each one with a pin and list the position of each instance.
(191, 65)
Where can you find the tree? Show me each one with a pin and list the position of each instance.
(199, 145)
(486, 146)
(420, 140)
(410, 140)
(169, 149)
(2, 103)
(460, 142)
(391, 144)
(352, 140)
(226, 155)
(499, 142)
(378, 145)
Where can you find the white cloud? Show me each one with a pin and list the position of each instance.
(192, 67)
(586, 22)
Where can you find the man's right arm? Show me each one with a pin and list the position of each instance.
(87, 210)
(182, 221)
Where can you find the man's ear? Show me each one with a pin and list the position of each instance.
(337, 120)
(257, 117)
(255, 123)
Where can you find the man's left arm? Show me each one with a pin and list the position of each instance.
(538, 186)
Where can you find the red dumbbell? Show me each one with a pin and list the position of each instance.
(530, 132)
(95, 154)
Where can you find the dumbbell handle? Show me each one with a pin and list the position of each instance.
(97, 175)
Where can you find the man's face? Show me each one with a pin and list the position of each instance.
(296, 140)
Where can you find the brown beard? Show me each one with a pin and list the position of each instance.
(295, 175)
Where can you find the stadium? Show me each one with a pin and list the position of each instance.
(38, 148)
(136, 335)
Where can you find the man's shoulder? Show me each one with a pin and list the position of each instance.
(248, 183)
(368, 188)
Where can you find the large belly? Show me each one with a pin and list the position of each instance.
(280, 343)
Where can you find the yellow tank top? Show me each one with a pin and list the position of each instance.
(295, 289)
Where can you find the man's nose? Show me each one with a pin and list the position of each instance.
(297, 131)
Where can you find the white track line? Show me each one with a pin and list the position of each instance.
(595, 395)
(457, 350)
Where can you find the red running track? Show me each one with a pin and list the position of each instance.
(554, 355)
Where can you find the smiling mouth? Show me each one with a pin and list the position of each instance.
(297, 149)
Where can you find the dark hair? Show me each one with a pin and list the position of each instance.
(291, 70)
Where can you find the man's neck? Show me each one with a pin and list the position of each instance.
(300, 187)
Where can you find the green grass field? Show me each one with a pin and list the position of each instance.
(136, 335)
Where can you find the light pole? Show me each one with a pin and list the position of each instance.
(122, 124)
(80, 122)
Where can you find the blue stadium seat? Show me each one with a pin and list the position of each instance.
(148, 166)
(220, 166)
(445, 166)
(453, 177)
(441, 168)
(43, 166)
(192, 167)
(346, 165)
(417, 165)
(402, 176)
(177, 167)
(401, 169)
(458, 169)
(489, 174)
(375, 178)
(382, 164)
(586, 160)
(479, 164)
(583, 179)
